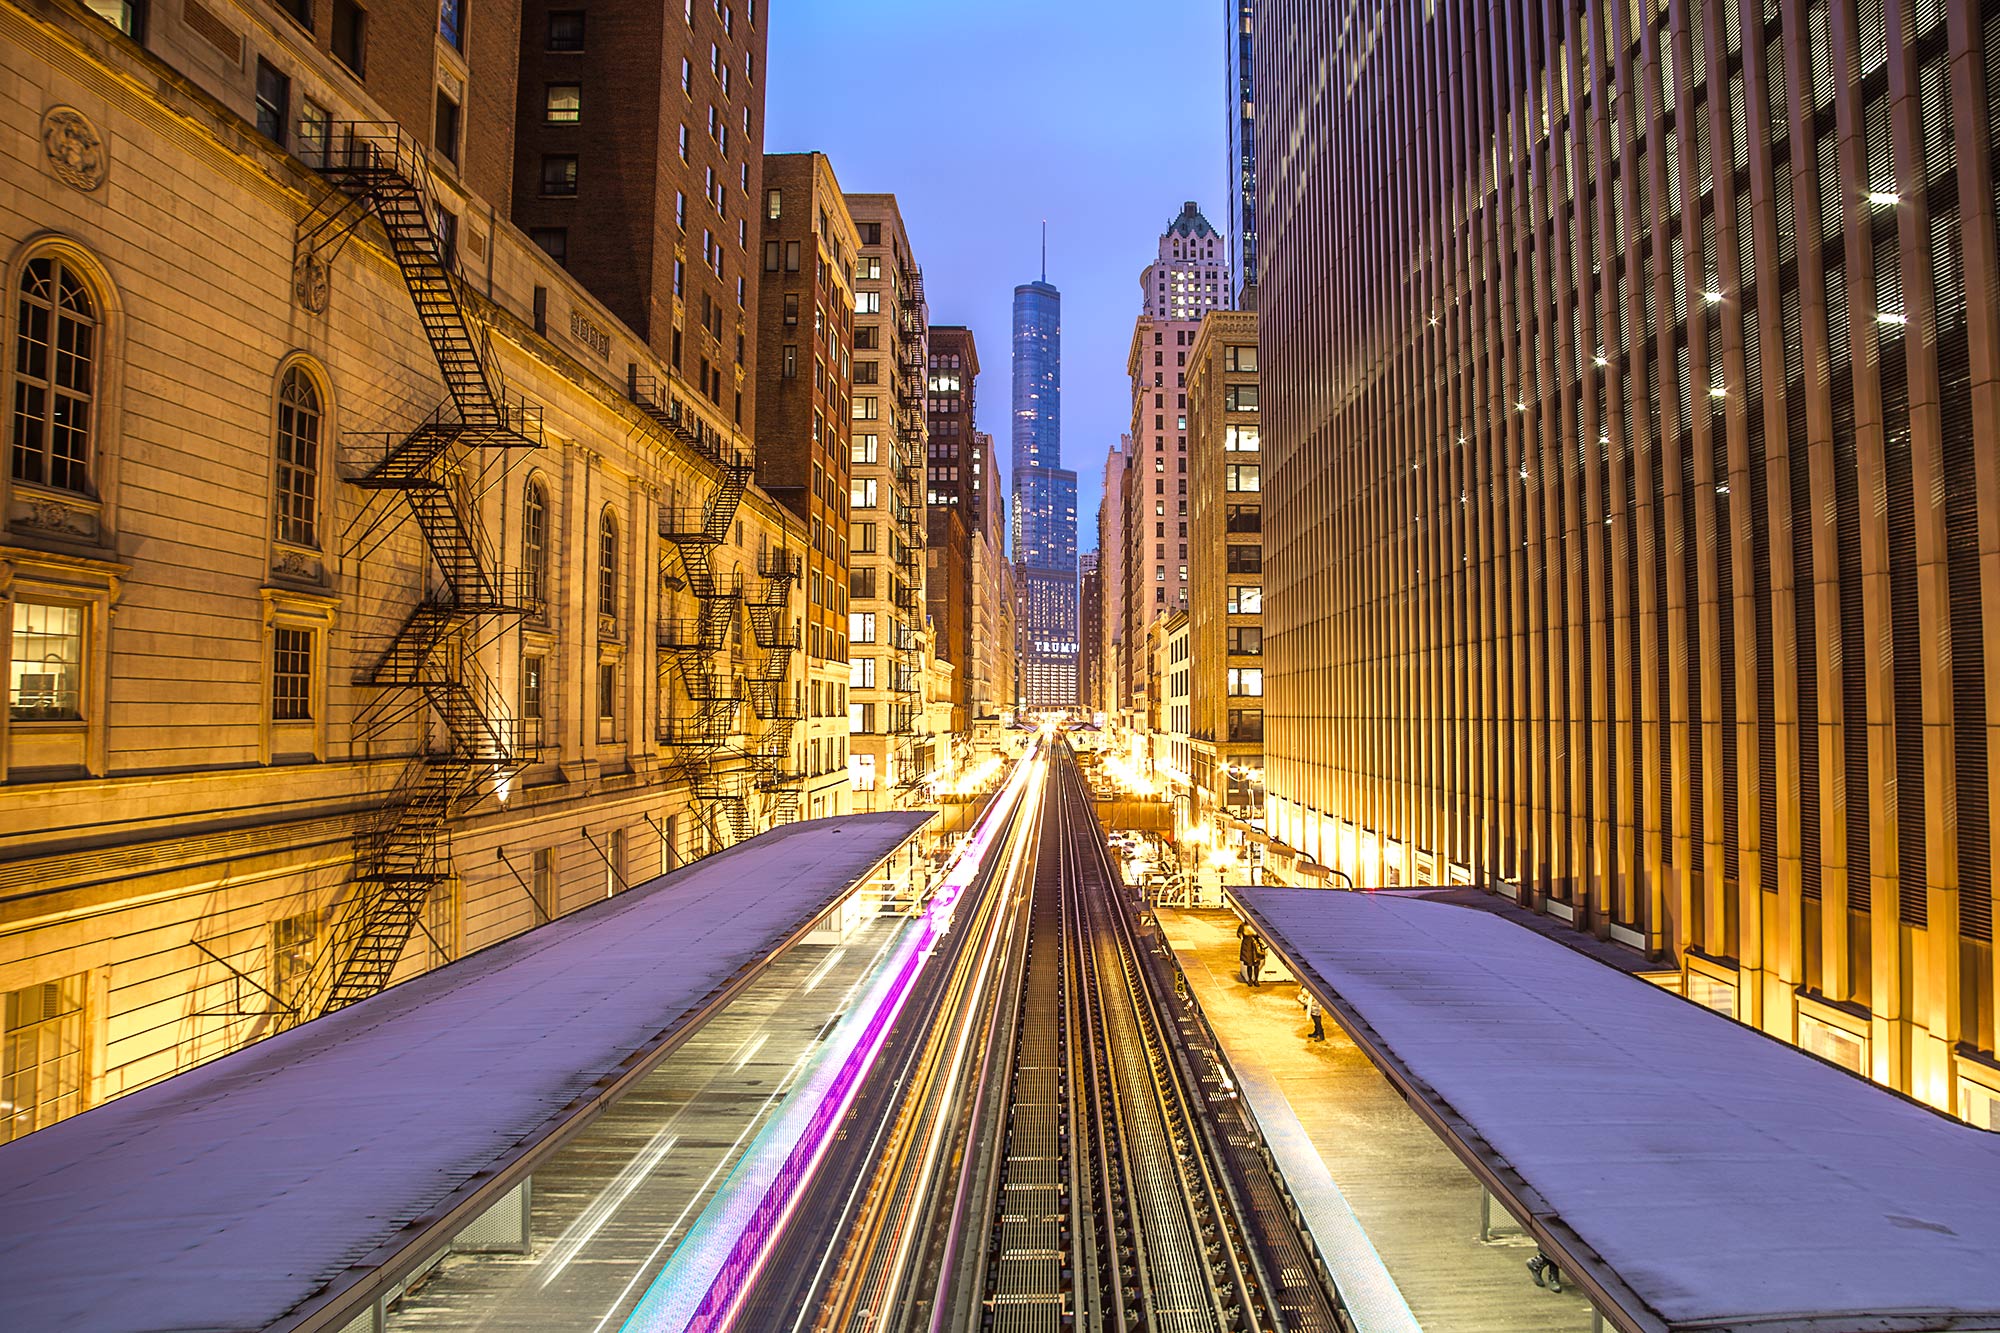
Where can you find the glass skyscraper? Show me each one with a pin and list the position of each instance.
(1044, 504)
(1242, 192)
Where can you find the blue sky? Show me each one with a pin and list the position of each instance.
(985, 118)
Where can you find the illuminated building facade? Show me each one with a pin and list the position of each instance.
(1630, 395)
(1044, 504)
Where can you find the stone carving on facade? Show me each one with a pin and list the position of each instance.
(75, 149)
(53, 517)
(312, 281)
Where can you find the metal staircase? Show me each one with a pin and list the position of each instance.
(404, 852)
(697, 742)
(771, 695)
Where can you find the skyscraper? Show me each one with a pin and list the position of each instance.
(1186, 280)
(1652, 591)
(1044, 503)
(1240, 60)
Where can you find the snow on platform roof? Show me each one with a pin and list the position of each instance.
(1696, 1173)
(227, 1196)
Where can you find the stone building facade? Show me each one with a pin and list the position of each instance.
(336, 650)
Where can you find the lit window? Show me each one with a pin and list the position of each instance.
(41, 1055)
(451, 22)
(535, 543)
(565, 104)
(46, 683)
(607, 565)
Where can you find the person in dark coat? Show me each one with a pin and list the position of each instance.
(1252, 954)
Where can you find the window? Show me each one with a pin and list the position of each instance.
(1239, 398)
(791, 256)
(535, 542)
(350, 36)
(531, 688)
(1246, 724)
(771, 252)
(861, 626)
(128, 16)
(274, 101)
(861, 674)
(684, 143)
(554, 242)
(451, 22)
(861, 493)
(607, 565)
(55, 348)
(1239, 358)
(315, 132)
(294, 946)
(566, 30)
(300, 417)
(41, 1055)
(46, 682)
(446, 128)
(865, 449)
(1246, 681)
(871, 233)
(868, 303)
(868, 268)
(559, 174)
(773, 203)
(1245, 599)
(1242, 476)
(1240, 440)
(862, 538)
(607, 691)
(789, 365)
(791, 308)
(542, 881)
(1246, 559)
(867, 408)
(564, 105)
(291, 674)
(1246, 640)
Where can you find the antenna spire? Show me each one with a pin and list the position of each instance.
(1045, 249)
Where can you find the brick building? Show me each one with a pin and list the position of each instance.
(805, 354)
(639, 155)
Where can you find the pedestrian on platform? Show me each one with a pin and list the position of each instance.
(1311, 1003)
(1248, 952)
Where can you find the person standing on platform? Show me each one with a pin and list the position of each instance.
(1311, 1002)
(1247, 952)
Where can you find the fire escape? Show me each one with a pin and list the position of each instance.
(431, 669)
(907, 535)
(696, 649)
(771, 695)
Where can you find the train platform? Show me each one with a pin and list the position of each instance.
(510, 1141)
(1397, 1218)
(1686, 1171)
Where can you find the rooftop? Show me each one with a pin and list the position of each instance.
(229, 1197)
(1691, 1171)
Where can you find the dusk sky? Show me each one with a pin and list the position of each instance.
(1100, 115)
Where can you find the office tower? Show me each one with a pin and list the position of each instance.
(1225, 587)
(638, 163)
(1044, 504)
(886, 490)
(952, 466)
(1112, 560)
(1186, 280)
(1645, 581)
(1241, 94)
(1190, 276)
(1090, 627)
(805, 344)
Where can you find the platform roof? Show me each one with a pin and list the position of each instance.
(1693, 1172)
(259, 1187)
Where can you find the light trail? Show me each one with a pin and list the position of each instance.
(750, 1050)
(824, 968)
(705, 1281)
(607, 1202)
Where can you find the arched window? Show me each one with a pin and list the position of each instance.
(607, 565)
(535, 542)
(55, 362)
(300, 417)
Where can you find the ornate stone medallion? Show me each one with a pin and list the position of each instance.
(312, 280)
(75, 149)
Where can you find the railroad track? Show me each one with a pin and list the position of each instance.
(1127, 1192)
